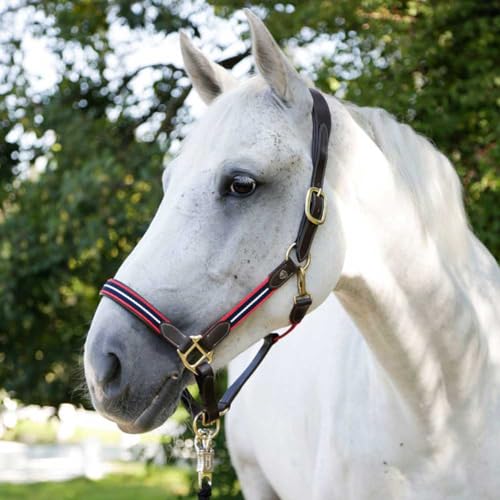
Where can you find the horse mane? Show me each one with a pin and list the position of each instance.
(430, 177)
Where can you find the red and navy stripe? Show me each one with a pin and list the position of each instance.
(153, 318)
(134, 303)
(248, 304)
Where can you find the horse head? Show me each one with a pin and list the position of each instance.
(233, 200)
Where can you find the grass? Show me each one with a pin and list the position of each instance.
(134, 482)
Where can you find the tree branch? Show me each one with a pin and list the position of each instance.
(172, 107)
(174, 103)
(231, 62)
(227, 63)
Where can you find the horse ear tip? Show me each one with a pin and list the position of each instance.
(184, 39)
(252, 18)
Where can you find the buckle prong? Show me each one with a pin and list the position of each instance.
(195, 348)
(315, 191)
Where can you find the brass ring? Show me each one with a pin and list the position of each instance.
(213, 432)
(308, 260)
(287, 255)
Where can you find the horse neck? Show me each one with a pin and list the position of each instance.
(417, 305)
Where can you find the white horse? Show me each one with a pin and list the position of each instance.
(390, 389)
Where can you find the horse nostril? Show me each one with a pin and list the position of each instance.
(108, 371)
(114, 368)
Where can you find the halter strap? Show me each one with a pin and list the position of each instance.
(134, 303)
(201, 346)
(315, 204)
(196, 351)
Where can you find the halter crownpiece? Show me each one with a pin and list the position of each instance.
(196, 352)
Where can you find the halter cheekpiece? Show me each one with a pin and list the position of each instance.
(196, 352)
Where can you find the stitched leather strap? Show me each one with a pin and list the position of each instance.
(319, 153)
(233, 390)
(301, 305)
(206, 385)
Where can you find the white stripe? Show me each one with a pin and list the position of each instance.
(234, 318)
(135, 302)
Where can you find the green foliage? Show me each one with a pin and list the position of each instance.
(69, 229)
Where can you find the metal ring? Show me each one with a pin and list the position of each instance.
(287, 255)
(308, 260)
(213, 432)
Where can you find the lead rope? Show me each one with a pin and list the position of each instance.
(205, 491)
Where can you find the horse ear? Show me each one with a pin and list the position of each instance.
(275, 68)
(209, 79)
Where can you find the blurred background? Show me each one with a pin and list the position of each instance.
(94, 101)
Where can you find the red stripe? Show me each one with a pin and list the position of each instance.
(291, 328)
(253, 308)
(112, 296)
(142, 299)
(241, 302)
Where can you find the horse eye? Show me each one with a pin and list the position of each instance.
(242, 186)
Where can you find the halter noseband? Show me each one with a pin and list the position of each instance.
(196, 351)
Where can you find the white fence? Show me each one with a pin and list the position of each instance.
(65, 459)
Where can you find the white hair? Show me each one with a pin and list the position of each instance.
(431, 179)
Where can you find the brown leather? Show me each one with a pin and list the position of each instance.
(191, 405)
(205, 379)
(233, 390)
(214, 335)
(319, 153)
(210, 338)
(282, 273)
(307, 229)
(300, 307)
(175, 337)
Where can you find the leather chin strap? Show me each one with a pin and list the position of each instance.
(196, 352)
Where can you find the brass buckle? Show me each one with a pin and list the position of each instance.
(205, 356)
(320, 194)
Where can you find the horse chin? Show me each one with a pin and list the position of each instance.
(161, 407)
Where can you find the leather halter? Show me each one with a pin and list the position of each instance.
(196, 351)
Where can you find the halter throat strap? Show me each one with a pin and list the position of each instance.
(196, 352)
